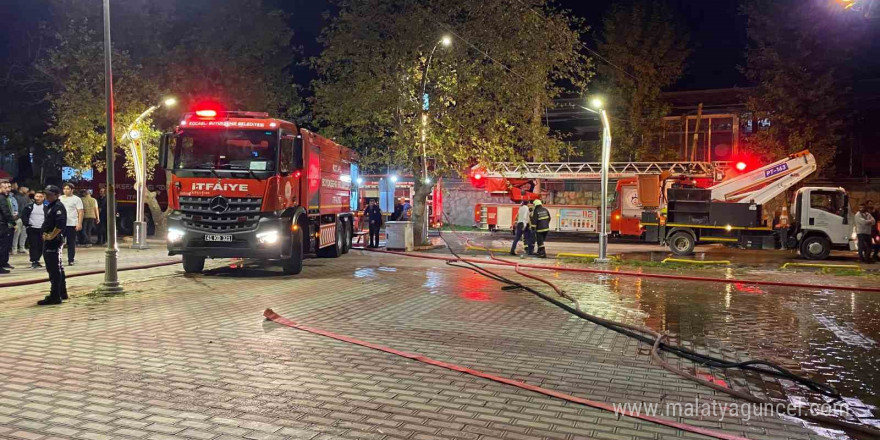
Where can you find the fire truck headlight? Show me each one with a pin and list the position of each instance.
(268, 237)
(174, 235)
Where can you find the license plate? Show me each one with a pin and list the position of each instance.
(218, 237)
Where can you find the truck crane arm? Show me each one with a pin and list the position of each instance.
(763, 184)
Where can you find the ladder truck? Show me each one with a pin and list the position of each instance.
(523, 181)
(732, 213)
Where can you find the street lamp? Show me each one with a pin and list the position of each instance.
(598, 107)
(140, 171)
(110, 285)
(446, 41)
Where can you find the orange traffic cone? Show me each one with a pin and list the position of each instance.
(783, 217)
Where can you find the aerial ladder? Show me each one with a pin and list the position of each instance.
(733, 213)
(763, 184)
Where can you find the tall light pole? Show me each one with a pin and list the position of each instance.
(140, 166)
(598, 107)
(446, 41)
(111, 279)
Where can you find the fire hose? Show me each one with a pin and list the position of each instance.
(655, 339)
(86, 273)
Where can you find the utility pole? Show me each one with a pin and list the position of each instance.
(111, 280)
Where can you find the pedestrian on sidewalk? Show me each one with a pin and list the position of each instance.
(864, 221)
(20, 238)
(875, 229)
(90, 217)
(32, 216)
(541, 224)
(374, 215)
(13, 203)
(522, 229)
(7, 227)
(54, 225)
(102, 216)
(73, 206)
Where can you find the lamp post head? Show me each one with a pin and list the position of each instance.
(170, 101)
(446, 41)
(597, 103)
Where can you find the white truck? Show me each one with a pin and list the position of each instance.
(731, 212)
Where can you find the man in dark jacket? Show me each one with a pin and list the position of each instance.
(7, 227)
(53, 242)
(23, 201)
(32, 216)
(541, 225)
(102, 216)
(374, 215)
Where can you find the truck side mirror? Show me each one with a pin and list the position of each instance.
(297, 153)
(163, 150)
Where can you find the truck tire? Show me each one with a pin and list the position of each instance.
(815, 247)
(193, 264)
(681, 243)
(294, 264)
(335, 250)
(346, 235)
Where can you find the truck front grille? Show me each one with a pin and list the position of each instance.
(207, 214)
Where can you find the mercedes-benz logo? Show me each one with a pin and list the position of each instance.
(218, 204)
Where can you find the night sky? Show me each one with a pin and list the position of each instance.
(717, 32)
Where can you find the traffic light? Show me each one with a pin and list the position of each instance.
(741, 166)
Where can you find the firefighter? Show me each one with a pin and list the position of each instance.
(54, 225)
(541, 225)
(374, 216)
(522, 229)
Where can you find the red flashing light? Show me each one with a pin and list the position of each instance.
(478, 176)
(297, 173)
(206, 113)
(741, 166)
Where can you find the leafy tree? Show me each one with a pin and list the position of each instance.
(488, 91)
(799, 56)
(234, 52)
(648, 50)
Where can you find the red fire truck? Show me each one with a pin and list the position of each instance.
(244, 185)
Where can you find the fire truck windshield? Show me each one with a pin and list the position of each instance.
(252, 150)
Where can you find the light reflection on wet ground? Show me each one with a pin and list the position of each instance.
(829, 336)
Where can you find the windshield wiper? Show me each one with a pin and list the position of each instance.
(250, 171)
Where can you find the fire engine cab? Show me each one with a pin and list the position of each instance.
(244, 185)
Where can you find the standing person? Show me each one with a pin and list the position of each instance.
(54, 225)
(406, 213)
(374, 216)
(7, 227)
(73, 206)
(521, 229)
(102, 216)
(541, 225)
(13, 203)
(90, 217)
(20, 238)
(875, 229)
(32, 216)
(864, 220)
(398, 211)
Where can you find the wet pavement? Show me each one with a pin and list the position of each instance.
(191, 355)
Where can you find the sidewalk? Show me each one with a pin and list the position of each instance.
(90, 259)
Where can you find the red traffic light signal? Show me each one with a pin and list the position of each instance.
(741, 166)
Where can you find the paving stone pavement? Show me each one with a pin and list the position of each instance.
(192, 357)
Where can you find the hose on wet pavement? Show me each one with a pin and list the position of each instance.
(655, 340)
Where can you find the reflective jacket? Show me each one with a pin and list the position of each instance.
(541, 219)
